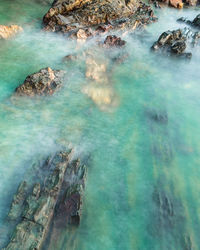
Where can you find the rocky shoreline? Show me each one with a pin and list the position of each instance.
(57, 198)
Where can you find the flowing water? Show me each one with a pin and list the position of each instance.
(142, 189)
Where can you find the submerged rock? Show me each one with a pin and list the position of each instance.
(39, 205)
(158, 116)
(7, 32)
(172, 43)
(44, 82)
(83, 18)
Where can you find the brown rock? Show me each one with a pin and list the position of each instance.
(176, 4)
(114, 41)
(74, 16)
(44, 82)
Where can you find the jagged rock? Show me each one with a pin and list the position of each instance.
(39, 208)
(171, 3)
(173, 43)
(7, 32)
(68, 208)
(178, 47)
(114, 41)
(18, 200)
(196, 21)
(83, 18)
(44, 82)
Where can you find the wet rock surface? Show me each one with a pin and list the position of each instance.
(62, 188)
(7, 32)
(175, 43)
(44, 82)
(84, 18)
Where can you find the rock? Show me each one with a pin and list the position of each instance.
(83, 18)
(69, 58)
(191, 2)
(68, 209)
(172, 3)
(158, 116)
(62, 189)
(18, 200)
(173, 43)
(196, 21)
(7, 32)
(178, 47)
(176, 4)
(114, 41)
(44, 82)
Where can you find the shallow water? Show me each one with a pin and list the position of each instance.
(133, 158)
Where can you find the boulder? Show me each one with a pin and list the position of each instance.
(83, 18)
(7, 32)
(114, 41)
(173, 43)
(44, 82)
(176, 4)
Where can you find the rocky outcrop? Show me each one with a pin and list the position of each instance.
(195, 23)
(114, 41)
(7, 32)
(172, 43)
(62, 188)
(179, 4)
(44, 82)
(84, 18)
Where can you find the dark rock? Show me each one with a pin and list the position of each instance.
(196, 21)
(68, 207)
(44, 82)
(96, 16)
(178, 47)
(40, 204)
(186, 55)
(164, 203)
(69, 58)
(173, 43)
(114, 41)
(158, 116)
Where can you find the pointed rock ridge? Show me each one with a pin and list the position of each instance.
(7, 32)
(44, 82)
(62, 188)
(95, 16)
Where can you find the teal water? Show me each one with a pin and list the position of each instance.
(132, 157)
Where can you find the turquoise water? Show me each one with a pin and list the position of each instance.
(132, 157)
